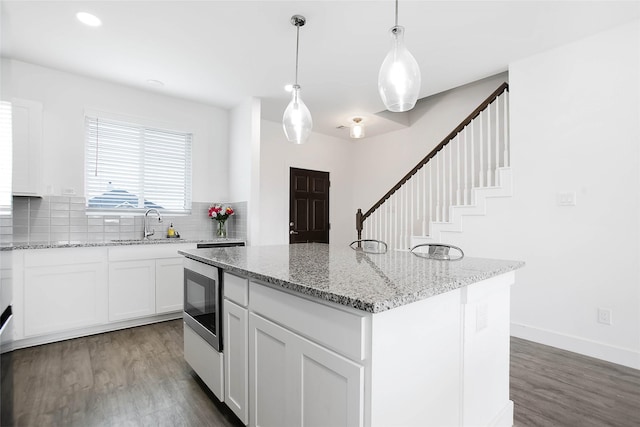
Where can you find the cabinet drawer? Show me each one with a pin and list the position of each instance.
(63, 256)
(236, 289)
(148, 251)
(339, 330)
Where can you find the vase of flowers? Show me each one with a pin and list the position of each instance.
(221, 214)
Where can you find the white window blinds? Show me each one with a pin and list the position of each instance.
(6, 158)
(132, 167)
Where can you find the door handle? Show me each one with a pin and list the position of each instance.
(293, 232)
(291, 224)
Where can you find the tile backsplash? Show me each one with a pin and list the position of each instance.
(60, 219)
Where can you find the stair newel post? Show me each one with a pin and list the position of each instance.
(359, 224)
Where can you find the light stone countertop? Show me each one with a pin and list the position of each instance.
(126, 242)
(367, 282)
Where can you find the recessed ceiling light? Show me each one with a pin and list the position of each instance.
(155, 83)
(288, 88)
(88, 19)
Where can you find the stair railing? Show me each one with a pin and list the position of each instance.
(468, 157)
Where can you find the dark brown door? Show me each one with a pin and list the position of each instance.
(308, 206)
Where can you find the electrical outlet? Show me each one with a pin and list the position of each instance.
(604, 316)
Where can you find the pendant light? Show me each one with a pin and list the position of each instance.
(296, 120)
(399, 77)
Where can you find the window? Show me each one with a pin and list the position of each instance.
(131, 168)
(6, 158)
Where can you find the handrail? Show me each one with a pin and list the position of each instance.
(360, 217)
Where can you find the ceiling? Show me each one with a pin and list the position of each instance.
(221, 52)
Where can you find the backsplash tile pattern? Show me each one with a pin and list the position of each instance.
(61, 219)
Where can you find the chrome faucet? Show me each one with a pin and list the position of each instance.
(147, 231)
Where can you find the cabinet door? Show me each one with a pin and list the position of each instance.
(132, 289)
(295, 382)
(331, 388)
(236, 361)
(169, 285)
(27, 147)
(270, 371)
(59, 298)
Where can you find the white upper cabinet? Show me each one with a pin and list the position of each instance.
(27, 147)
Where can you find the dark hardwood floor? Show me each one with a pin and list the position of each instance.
(553, 387)
(138, 377)
(132, 377)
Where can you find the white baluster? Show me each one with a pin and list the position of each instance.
(403, 215)
(437, 182)
(472, 158)
(498, 139)
(481, 150)
(396, 215)
(458, 168)
(507, 126)
(431, 180)
(443, 183)
(488, 115)
(465, 196)
(415, 201)
(450, 193)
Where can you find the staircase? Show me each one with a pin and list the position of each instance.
(469, 166)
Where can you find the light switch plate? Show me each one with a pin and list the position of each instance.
(567, 198)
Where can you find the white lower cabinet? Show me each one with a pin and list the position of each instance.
(205, 360)
(63, 293)
(169, 285)
(132, 289)
(275, 376)
(63, 290)
(295, 382)
(145, 280)
(235, 345)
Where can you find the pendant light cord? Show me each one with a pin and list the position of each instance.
(297, 46)
(396, 13)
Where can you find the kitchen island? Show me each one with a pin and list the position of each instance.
(324, 335)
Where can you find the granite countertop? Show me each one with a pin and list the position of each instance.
(125, 242)
(367, 282)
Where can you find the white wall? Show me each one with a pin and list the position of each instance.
(381, 161)
(575, 126)
(244, 161)
(65, 97)
(243, 132)
(322, 153)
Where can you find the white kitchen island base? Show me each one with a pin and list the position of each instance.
(442, 361)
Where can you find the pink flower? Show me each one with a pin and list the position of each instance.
(217, 212)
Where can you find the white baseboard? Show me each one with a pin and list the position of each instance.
(91, 330)
(505, 417)
(621, 356)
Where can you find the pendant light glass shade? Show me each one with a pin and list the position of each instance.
(296, 121)
(399, 78)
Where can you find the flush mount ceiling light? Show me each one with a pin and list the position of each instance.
(399, 77)
(296, 120)
(88, 19)
(356, 130)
